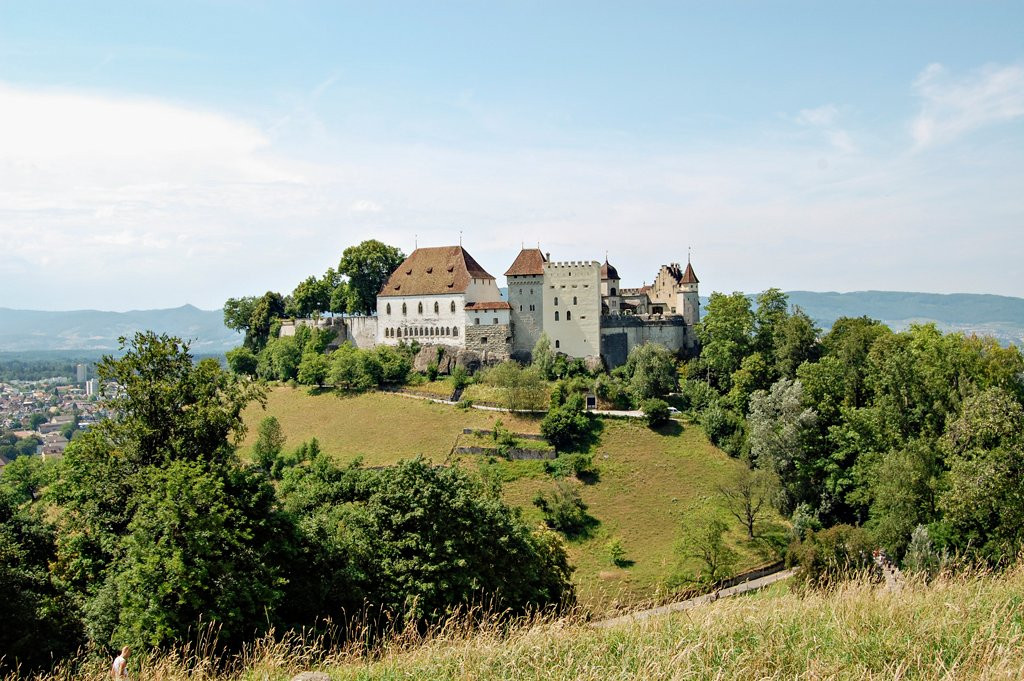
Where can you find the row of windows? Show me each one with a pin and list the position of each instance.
(532, 308)
(573, 300)
(421, 331)
(437, 308)
(568, 315)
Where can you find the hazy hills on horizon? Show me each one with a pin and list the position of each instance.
(94, 330)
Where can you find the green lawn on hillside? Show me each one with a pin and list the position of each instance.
(652, 489)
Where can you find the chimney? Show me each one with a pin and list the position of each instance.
(547, 256)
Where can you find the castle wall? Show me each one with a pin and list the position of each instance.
(621, 334)
(359, 330)
(362, 331)
(443, 326)
(493, 342)
(482, 291)
(663, 291)
(572, 293)
(526, 296)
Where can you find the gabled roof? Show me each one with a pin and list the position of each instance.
(434, 271)
(492, 305)
(688, 276)
(529, 262)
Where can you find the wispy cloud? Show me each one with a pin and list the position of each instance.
(826, 119)
(955, 105)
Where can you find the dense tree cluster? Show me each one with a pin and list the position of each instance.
(894, 433)
(151, 526)
(351, 288)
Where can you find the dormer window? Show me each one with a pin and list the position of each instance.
(430, 270)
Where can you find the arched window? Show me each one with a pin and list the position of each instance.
(556, 315)
(453, 306)
(421, 308)
(455, 331)
(389, 308)
(568, 315)
(574, 300)
(557, 343)
(403, 308)
(437, 308)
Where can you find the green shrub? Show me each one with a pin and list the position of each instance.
(564, 510)
(655, 412)
(567, 427)
(578, 464)
(829, 556)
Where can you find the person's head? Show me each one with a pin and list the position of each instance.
(125, 652)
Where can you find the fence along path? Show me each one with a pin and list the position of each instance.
(752, 585)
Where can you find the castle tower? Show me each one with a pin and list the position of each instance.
(611, 300)
(525, 279)
(688, 296)
(572, 307)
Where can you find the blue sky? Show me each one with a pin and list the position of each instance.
(158, 154)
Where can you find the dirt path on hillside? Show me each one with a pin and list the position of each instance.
(752, 585)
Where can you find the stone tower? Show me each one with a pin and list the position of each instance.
(525, 279)
(688, 296)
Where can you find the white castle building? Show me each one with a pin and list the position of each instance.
(442, 296)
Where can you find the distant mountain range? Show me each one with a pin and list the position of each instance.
(999, 316)
(94, 330)
(97, 331)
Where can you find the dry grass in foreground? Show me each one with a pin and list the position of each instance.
(956, 628)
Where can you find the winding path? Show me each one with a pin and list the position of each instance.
(752, 585)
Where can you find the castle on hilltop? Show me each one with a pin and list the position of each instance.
(442, 296)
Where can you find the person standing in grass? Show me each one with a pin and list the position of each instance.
(118, 670)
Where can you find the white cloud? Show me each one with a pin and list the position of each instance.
(826, 119)
(822, 116)
(364, 206)
(141, 223)
(953, 106)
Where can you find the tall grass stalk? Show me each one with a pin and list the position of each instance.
(967, 626)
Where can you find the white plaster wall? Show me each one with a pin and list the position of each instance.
(413, 321)
(486, 317)
(581, 335)
(482, 291)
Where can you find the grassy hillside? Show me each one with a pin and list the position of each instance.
(958, 629)
(652, 488)
(962, 628)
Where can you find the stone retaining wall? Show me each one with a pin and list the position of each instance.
(513, 453)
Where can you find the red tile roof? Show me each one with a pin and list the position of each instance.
(493, 305)
(688, 276)
(434, 271)
(529, 262)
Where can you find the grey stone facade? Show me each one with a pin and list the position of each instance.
(526, 296)
(493, 342)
